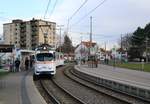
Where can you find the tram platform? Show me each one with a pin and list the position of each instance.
(19, 88)
(128, 81)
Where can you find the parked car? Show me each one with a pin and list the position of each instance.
(102, 58)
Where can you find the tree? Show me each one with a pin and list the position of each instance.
(125, 41)
(138, 37)
(137, 43)
(67, 45)
(134, 52)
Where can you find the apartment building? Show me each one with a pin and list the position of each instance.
(29, 34)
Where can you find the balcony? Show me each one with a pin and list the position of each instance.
(22, 43)
(22, 37)
(23, 46)
(22, 30)
(23, 26)
(34, 39)
(34, 30)
(34, 34)
(34, 24)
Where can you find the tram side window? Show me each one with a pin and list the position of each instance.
(54, 56)
(44, 57)
(61, 56)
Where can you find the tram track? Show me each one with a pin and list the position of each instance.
(85, 93)
(120, 96)
(69, 73)
(55, 94)
(67, 88)
(50, 96)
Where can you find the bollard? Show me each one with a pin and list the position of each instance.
(142, 63)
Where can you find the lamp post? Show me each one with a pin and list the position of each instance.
(90, 33)
(146, 49)
(60, 27)
(91, 58)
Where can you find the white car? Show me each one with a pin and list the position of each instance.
(102, 58)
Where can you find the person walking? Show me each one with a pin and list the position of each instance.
(31, 62)
(17, 64)
(26, 63)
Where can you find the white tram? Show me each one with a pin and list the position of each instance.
(46, 60)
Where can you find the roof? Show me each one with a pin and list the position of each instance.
(88, 43)
(21, 21)
(6, 48)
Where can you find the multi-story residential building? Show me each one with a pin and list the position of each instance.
(29, 34)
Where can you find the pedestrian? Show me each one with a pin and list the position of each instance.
(26, 63)
(17, 64)
(31, 62)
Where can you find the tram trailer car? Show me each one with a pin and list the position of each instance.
(45, 62)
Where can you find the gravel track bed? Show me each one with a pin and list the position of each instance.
(124, 97)
(51, 89)
(62, 96)
(42, 92)
(86, 94)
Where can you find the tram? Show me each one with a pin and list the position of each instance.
(46, 60)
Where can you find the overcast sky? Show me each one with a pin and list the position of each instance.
(110, 20)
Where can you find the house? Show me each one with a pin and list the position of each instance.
(84, 49)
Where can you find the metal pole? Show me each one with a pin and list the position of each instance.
(105, 54)
(142, 62)
(146, 49)
(60, 36)
(81, 51)
(68, 26)
(121, 49)
(91, 39)
(91, 31)
(60, 39)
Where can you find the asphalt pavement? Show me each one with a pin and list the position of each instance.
(19, 88)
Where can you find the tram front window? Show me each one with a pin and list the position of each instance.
(44, 57)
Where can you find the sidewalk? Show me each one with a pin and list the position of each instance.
(10, 89)
(18, 88)
(122, 75)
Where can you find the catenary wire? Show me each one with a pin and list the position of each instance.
(78, 9)
(90, 12)
(53, 7)
(47, 8)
